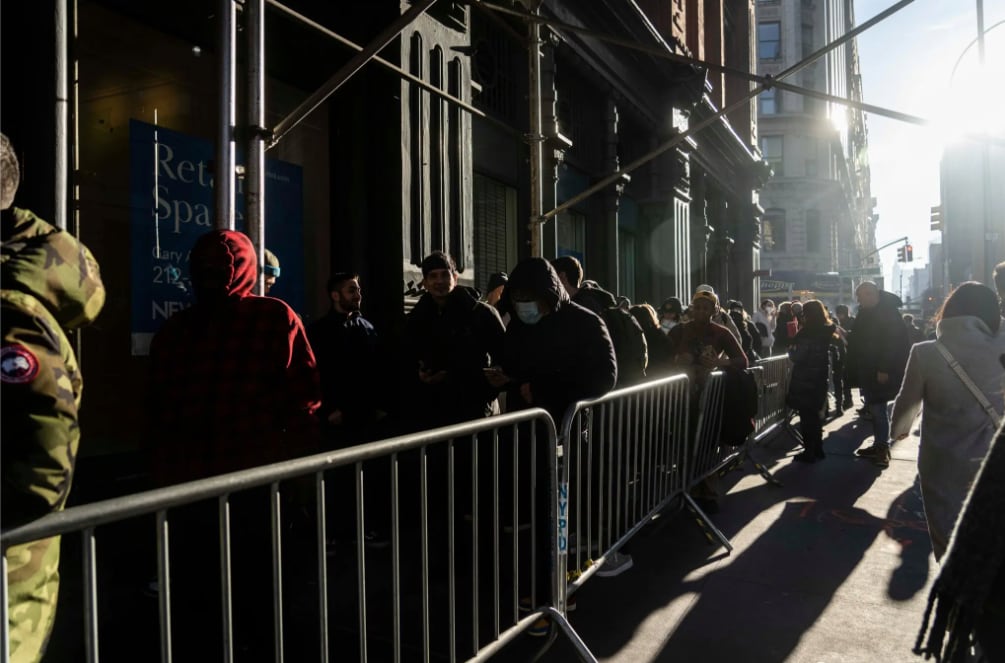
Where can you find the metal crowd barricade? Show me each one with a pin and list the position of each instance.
(622, 461)
(773, 386)
(497, 477)
(711, 457)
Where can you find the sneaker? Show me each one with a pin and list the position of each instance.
(540, 628)
(870, 451)
(806, 457)
(881, 458)
(615, 564)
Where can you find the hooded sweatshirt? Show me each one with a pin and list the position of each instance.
(566, 356)
(234, 380)
(50, 284)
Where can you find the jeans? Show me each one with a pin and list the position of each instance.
(880, 423)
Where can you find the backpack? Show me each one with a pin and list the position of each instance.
(630, 345)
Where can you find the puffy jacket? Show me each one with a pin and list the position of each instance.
(51, 283)
(567, 356)
(810, 353)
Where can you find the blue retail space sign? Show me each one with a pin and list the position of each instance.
(172, 203)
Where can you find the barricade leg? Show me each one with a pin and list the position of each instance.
(711, 532)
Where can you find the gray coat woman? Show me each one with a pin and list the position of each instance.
(955, 430)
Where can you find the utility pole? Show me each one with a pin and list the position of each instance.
(990, 237)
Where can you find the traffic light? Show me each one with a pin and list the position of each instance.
(908, 253)
(901, 254)
(937, 218)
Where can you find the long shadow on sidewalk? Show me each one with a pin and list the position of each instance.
(680, 603)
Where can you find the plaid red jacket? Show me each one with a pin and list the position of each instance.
(234, 381)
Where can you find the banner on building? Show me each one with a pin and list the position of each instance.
(172, 204)
(769, 287)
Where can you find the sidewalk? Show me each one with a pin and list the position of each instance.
(834, 566)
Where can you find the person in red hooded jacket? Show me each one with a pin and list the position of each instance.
(234, 385)
(234, 380)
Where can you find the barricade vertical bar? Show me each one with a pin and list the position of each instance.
(322, 550)
(225, 579)
(4, 619)
(618, 468)
(533, 516)
(277, 569)
(451, 560)
(496, 524)
(515, 524)
(396, 558)
(90, 595)
(361, 557)
(164, 585)
(610, 476)
(424, 537)
(596, 443)
(583, 446)
(475, 529)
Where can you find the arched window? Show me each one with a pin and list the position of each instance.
(773, 230)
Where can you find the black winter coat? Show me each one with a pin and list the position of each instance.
(566, 357)
(463, 338)
(810, 353)
(350, 365)
(878, 344)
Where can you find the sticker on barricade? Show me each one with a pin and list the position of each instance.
(563, 520)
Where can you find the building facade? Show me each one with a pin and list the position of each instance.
(428, 149)
(818, 220)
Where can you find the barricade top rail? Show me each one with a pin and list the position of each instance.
(576, 407)
(99, 513)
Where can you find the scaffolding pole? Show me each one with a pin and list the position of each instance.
(356, 63)
(432, 89)
(225, 153)
(62, 130)
(535, 138)
(693, 129)
(254, 176)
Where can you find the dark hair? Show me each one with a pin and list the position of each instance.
(972, 298)
(571, 267)
(841, 308)
(437, 260)
(815, 315)
(337, 279)
(673, 305)
(646, 315)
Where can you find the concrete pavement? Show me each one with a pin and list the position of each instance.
(833, 566)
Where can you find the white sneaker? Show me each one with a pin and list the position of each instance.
(615, 564)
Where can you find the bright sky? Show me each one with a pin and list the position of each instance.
(907, 61)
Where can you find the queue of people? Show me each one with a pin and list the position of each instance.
(237, 381)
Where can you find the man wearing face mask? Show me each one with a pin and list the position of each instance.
(555, 352)
(764, 320)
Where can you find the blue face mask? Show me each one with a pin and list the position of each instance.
(528, 312)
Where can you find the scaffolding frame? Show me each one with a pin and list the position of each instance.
(260, 138)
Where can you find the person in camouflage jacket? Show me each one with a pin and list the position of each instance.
(50, 283)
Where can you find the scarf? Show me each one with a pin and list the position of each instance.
(974, 561)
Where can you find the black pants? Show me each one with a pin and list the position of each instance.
(811, 428)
